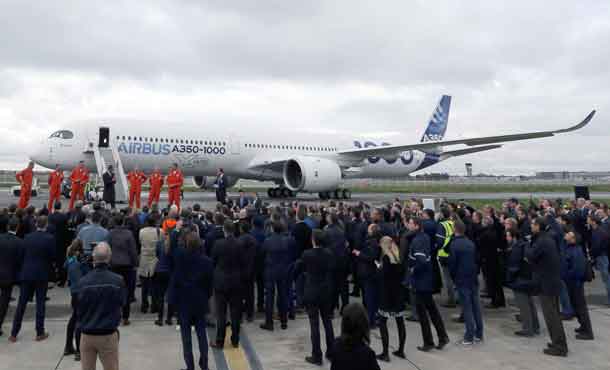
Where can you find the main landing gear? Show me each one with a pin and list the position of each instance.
(281, 192)
(337, 194)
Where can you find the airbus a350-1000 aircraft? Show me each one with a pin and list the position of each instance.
(313, 163)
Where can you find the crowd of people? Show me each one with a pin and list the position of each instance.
(220, 266)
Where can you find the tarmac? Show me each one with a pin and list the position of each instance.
(146, 346)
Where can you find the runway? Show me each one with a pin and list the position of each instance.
(207, 199)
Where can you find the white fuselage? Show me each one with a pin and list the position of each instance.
(201, 150)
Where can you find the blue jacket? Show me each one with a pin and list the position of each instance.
(164, 261)
(336, 243)
(192, 280)
(463, 262)
(430, 227)
(75, 272)
(101, 294)
(277, 257)
(420, 263)
(39, 254)
(573, 265)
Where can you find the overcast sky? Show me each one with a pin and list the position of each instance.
(339, 65)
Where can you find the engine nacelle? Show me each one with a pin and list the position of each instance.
(207, 182)
(311, 174)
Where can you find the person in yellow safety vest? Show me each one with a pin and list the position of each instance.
(444, 234)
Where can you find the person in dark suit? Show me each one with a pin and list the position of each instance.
(356, 234)
(11, 256)
(58, 226)
(544, 258)
(336, 242)
(230, 264)
(243, 201)
(367, 271)
(277, 262)
(221, 186)
(317, 266)
(193, 275)
(250, 249)
(109, 179)
(351, 351)
(301, 232)
(39, 255)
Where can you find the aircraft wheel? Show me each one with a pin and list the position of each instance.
(285, 192)
(271, 192)
(336, 194)
(291, 193)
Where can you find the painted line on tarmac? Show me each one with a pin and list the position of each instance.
(235, 356)
(255, 363)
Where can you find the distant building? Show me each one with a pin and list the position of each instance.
(468, 169)
(578, 175)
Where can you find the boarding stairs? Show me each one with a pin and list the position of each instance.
(105, 156)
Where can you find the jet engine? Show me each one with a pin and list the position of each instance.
(207, 182)
(311, 174)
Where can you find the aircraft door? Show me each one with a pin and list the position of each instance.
(235, 144)
(104, 137)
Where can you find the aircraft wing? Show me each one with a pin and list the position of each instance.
(395, 150)
(457, 153)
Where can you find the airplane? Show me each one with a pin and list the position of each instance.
(310, 163)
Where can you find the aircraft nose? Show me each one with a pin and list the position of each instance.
(39, 152)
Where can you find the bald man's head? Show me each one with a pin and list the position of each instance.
(102, 253)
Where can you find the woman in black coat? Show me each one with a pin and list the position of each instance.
(351, 351)
(392, 297)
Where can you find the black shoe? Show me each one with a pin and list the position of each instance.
(169, 322)
(69, 351)
(314, 361)
(291, 316)
(235, 344)
(267, 327)
(523, 333)
(400, 354)
(77, 356)
(426, 348)
(383, 357)
(555, 352)
(210, 324)
(1, 333)
(518, 317)
(583, 336)
(158, 322)
(217, 345)
(144, 309)
(442, 343)
(284, 326)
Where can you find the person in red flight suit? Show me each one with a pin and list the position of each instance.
(175, 179)
(25, 178)
(79, 178)
(55, 179)
(136, 178)
(156, 183)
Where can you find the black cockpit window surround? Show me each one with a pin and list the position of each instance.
(62, 134)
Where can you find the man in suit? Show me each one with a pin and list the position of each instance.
(192, 274)
(250, 250)
(544, 258)
(109, 179)
(243, 200)
(221, 186)
(58, 226)
(301, 232)
(230, 264)
(39, 254)
(277, 262)
(11, 255)
(317, 266)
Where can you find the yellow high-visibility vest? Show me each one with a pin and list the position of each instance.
(449, 227)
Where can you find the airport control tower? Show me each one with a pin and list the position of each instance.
(468, 169)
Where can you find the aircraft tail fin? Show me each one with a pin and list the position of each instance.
(438, 122)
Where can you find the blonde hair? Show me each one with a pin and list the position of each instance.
(390, 249)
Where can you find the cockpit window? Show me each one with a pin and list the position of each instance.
(62, 134)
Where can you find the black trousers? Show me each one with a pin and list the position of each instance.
(248, 298)
(260, 292)
(73, 330)
(147, 291)
(126, 274)
(5, 298)
(550, 310)
(579, 304)
(385, 335)
(233, 301)
(425, 306)
(187, 320)
(341, 289)
(161, 283)
(315, 312)
(494, 283)
(27, 290)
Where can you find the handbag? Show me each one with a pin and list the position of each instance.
(589, 273)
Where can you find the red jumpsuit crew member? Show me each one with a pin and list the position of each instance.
(25, 178)
(175, 179)
(156, 183)
(136, 178)
(79, 178)
(55, 179)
